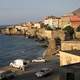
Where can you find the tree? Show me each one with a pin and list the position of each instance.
(49, 27)
(78, 29)
(69, 31)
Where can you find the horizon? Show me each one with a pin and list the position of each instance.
(17, 11)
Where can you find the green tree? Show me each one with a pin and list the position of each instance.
(69, 32)
(69, 29)
(78, 29)
(49, 27)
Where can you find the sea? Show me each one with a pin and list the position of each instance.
(18, 47)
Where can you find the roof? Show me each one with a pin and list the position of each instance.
(73, 67)
(72, 17)
(75, 18)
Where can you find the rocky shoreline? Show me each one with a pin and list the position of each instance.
(30, 33)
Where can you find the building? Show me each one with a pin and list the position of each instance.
(70, 72)
(29, 25)
(37, 25)
(70, 65)
(52, 21)
(70, 60)
(19, 27)
(71, 20)
(75, 21)
(64, 21)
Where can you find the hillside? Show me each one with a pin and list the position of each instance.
(76, 12)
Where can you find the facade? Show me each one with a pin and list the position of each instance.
(52, 21)
(18, 27)
(29, 25)
(75, 21)
(70, 60)
(72, 20)
(70, 72)
(24, 28)
(64, 21)
(70, 65)
(21, 27)
(37, 25)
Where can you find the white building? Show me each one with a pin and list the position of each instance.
(51, 21)
(21, 27)
(18, 27)
(48, 21)
(37, 25)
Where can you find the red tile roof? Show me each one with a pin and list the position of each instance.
(75, 18)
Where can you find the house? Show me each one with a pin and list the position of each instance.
(64, 21)
(37, 25)
(70, 65)
(19, 27)
(29, 25)
(70, 60)
(69, 20)
(75, 21)
(70, 72)
(51, 21)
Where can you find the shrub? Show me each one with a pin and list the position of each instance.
(69, 32)
(78, 29)
(69, 29)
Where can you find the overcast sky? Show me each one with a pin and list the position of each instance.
(16, 11)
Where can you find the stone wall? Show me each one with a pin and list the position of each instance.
(67, 58)
(70, 45)
(58, 34)
(77, 34)
(42, 33)
(47, 34)
(51, 34)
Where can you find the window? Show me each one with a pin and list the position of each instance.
(70, 76)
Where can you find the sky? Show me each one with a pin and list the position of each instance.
(17, 11)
